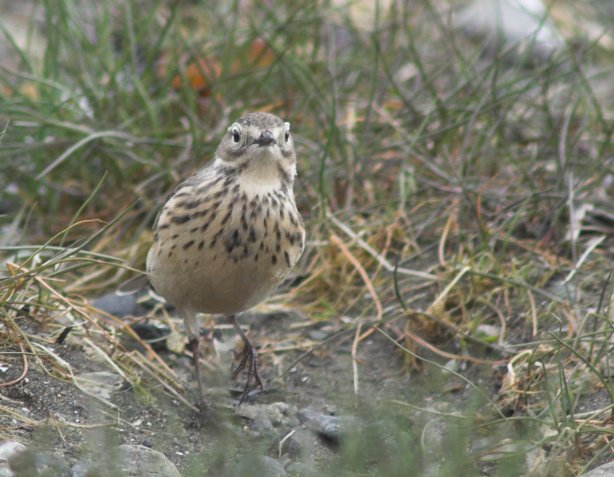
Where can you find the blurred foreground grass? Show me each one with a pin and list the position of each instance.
(458, 200)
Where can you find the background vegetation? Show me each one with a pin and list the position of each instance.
(457, 199)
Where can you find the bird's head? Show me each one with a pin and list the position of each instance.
(259, 142)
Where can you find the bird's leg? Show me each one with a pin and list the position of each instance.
(247, 357)
(194, 342)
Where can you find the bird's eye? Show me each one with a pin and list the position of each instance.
(287, 136)
(236, 135)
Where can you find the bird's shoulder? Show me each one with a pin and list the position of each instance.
(190, 192)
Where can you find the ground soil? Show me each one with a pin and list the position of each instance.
(322, 380)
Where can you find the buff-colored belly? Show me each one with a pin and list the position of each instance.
(207, 283)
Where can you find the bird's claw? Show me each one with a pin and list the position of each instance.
(247, 359)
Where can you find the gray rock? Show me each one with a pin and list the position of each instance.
(81, 468)
(605, 470)
(330, 427)
(259, 419)
(301, 469)
(118, 305)
(262, 427)
(302, 443)
(141, 460)
(271, 467)
(31, 463)
(306, 451)
(128, 461)
(277, 413)
(262, 466)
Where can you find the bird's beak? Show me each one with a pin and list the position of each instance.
(266, 138)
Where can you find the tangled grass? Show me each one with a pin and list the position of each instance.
(456, 202)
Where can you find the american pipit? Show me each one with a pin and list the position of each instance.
(229, 234)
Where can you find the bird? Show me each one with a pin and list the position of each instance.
(229, 235)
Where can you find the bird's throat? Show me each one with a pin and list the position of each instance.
(261, 175)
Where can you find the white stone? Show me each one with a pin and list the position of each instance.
(605, 470)
(523, 23)
(7, 450)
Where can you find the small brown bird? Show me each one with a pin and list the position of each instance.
(229, 234)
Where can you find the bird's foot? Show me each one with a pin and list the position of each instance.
(248, 360)
(205, 417)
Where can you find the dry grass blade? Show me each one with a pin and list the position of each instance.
(23, 374)
(357, 336)
(381, 260)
